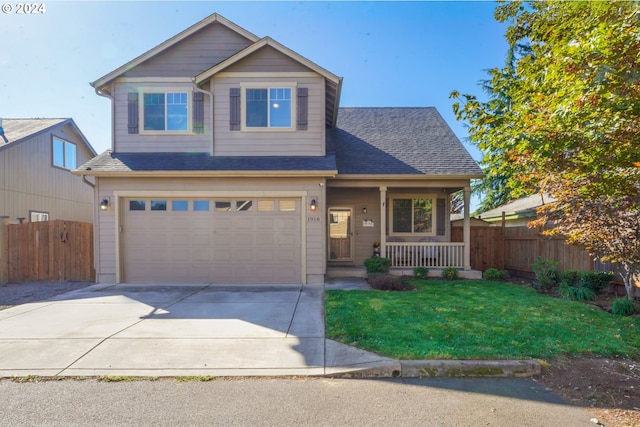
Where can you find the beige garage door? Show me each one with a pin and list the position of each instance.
(171, 240)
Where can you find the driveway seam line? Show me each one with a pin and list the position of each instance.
(293, 315)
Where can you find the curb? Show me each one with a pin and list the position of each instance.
(445, 369)
(470, 368)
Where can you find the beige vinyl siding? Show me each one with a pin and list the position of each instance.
(267, 60)
(310, 142)
(193, 55)
(106, 252)
(29, 181)
(357, 198)
(147, 142)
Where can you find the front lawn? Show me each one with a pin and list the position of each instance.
(468, 319)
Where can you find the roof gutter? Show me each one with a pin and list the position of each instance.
(209, 173)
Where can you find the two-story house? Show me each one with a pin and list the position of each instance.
(231, 162)
(36, 157)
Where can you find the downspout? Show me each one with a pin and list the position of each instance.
(210, 93)
(89, 183)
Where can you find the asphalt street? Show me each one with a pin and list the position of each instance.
(286, 402)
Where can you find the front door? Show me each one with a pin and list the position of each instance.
(340, 234)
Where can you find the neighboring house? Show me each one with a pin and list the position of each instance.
(36, 157)
(517, 213)
(231, 162)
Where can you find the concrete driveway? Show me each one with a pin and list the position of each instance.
(181, 330)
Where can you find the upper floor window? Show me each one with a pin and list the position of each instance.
(64, 153)
(412, 215)
(166, 111)
(268, 108)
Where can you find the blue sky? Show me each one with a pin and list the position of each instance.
(390, 53)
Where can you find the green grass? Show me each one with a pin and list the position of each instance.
(466, 319)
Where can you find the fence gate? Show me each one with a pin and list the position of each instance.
(50, 251)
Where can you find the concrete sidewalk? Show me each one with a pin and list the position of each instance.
(181, 330)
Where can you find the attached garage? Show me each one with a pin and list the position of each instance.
(211, 240)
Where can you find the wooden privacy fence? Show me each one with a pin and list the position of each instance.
(487, 246)
(516, 248)
(49, 251)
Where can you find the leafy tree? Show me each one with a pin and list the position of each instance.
(563, 118)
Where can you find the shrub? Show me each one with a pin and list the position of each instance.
(450, 273)
(597, 281)
(420, 272)
(576, 293)
(377, 265)
(622, 307)
(569, 278)
(546, 271)
(387, 282)
(495, 274)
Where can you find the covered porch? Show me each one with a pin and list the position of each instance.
(407, 221)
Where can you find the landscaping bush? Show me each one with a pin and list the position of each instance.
(420, 272)
(622, 307)
(387, 282)
(495, 274)
(576, 293)
(547, 277)
(450, 273)
(570, 277)
(597, 281)
(377, 265)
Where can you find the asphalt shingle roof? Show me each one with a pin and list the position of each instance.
(127, 162)
(18, 129)
(371, 141)
(398, 141)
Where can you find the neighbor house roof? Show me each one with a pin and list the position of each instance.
(18, 130)
(521, 208)
(398, 141)
(109, 163)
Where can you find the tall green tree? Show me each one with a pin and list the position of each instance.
(564, 119)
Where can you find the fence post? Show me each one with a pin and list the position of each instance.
(4, 249)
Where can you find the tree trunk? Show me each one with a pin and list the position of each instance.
(629, 277)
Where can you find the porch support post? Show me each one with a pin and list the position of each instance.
(383, 222)
(467, 227)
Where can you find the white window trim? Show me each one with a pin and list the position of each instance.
(267, 85)
(157, 89)
(39, 214)
(432, 197)
(64, 153)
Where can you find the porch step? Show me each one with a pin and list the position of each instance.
(337, 272)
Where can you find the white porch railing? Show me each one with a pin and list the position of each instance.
(426, 254)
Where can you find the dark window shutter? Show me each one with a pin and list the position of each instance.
(198, 112)
(132, 104)
(303, 108)
(234, 108)
(441, 216)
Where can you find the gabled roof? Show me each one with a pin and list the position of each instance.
(199, 164)
(333, 82)
(171, 42)
(398, 141)
(524, 207)
(18, 130)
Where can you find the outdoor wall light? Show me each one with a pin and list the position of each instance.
(313, 206)
(104, 204)
(364, 210)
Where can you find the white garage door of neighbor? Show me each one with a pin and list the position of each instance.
(243, 240)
